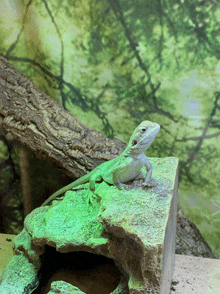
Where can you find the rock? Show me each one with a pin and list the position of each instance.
(19, 277)
(135, 227)
(61, 287)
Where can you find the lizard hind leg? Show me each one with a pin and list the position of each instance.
(92, 195)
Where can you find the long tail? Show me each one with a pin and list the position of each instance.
(76, 183)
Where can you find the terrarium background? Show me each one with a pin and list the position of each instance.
(114, 63)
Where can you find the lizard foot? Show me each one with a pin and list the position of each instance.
(148, 185)
(92, 198)
(120, 186)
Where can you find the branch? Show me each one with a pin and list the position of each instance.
(40, 123)
(205, 130)
(82, 100)
(164, 113)
(12, 47)
(9, 160)
(119, 14)
(198, 138)
(61, 53)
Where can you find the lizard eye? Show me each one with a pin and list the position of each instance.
(134, 142)
(143, 129)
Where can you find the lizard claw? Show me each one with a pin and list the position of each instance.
(92, 198)
(148, 185)
(119, 186)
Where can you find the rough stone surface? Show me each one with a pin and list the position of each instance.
(19, 277)
(135, 227)
(61, 287)
(196, 275)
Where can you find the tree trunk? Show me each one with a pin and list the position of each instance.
(40, 123)
(23, 160)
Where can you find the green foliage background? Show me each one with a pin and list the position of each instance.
(114, 63)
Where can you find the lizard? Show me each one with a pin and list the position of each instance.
(123, 168)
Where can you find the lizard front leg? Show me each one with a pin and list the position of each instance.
(116, 181)
(148, 166)
(121, 170)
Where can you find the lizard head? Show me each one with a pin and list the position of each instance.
(143, 136)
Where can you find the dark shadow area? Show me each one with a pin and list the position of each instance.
(91, 273)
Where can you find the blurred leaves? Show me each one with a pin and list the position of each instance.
(114, 63)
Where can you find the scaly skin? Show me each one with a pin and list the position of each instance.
(123, 168)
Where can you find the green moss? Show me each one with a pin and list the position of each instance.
(75, 220)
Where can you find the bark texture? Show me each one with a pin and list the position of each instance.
(40, 123)
(24, 164)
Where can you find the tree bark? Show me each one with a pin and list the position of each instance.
(23, 160)
(40, 123)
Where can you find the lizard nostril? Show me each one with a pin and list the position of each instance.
(134, 142)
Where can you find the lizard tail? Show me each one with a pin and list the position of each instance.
(76, 183)
(57, 193)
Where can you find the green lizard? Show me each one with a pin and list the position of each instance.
(123, 168)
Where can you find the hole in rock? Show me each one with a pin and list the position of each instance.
(91, 273)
